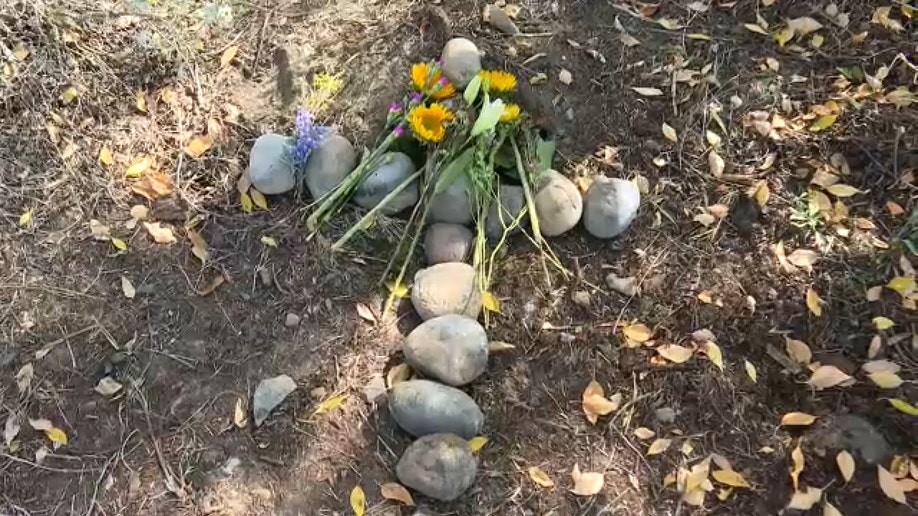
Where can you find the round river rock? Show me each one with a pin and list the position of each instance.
(394, 168)
(446, 288)
(454, 204)
(451, 349)
(557, 203)
(271, 164)
(440, 466)
(461, 61)
(447, 243)
(610, 206)
(329, 164)
(423, 407)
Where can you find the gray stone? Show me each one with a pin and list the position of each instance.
(461, 61)
(557, 203)
(269, 394)
(504, 210)
(375, 388)
(855, 434)
(329, 164)
(394, 169)
(446, 288)
(452, 349)
(440, 466)
(609, 206)
(447, 243)
(292, 320)
(271, 164)
(423, 407)
(665, 415)
(454, 204)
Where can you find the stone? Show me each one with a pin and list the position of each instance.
(439, 466)
(461, 61)
(292, 320)
(452, 349)
(447, 243)
(581, 298)
(375, 388)
(446, 288)
(855, 434)
(271, 164)
(557, 203)
(497, 18)
(609, 206)
(504, 210)
(328, 165)
(454, 204)
(269, 394)
(665, 415)
(423, 407)
(394, 169)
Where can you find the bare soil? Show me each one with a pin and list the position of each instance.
(168, 443)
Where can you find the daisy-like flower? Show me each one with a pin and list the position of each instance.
(428, 123)
(431, 81)
(511, 112)
(499, 81)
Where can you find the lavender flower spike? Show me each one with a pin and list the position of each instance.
(308, 136)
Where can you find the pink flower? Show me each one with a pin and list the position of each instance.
(399, 131)
(395, 107)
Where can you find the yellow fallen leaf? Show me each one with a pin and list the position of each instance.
(477, 443)
(397, 492)
(268, 241)
(798, 351)
(330, 404)
(784, 35)
(119, 244)
(239, 417)
(138, 167)
(643, 433)
(824, 122)
(714, 353)
(105, 156)
(904, 406)
(668, 24)
(26, 218)
(883, 323)
(798, 464)
(398, 374)
(246, 201)
(890, 485)
(904, 285)
(886, 379)
(56, 436)
(637, 332)
(805, 500)
(817, 41)
(586, 484)
(227, 56)
(804, 25)
(198, 145)
(596, 404)
(842, 190)
(828, 376)
(670, 133)
(846, 464)
(540, 477)
(797, 419)
(814, 302)
(258, 199)
(659, 446)
(69, 94)
(675, 353)
(140, 101)
(699, 36)
(750, 371)
(755, 28)
(160, 234)
(358, 501)
(489, 302)
(730, 478)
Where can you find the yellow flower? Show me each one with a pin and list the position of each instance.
(429, 83)
(499, 81)
(428, 123)
(511, 112)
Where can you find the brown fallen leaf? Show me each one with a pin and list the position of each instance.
(659, 446)
(198, 145)
(798, 464)
(797, 419)
(596, 404)
(637, 332)
(828, 376)
(803, 258)
(540, 477)
(730, 478)
(846, 464)
(805, 500)
(153, 186)
(798, 351)
(397, 492)
(890, 485)
(644, 433)
(586, 484)
(814, 302)
(675, 353)
(228, 55)
(198, 246)
(161, 234)
(365, 312)
(213, 285)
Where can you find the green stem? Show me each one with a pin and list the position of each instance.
(337, 246)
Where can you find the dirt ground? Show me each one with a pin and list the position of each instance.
(167, 444)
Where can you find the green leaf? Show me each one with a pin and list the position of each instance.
(904, 406)
(455, 167)
(545, 152)
(824, 122)
(852, 73)
(472, 90)
(488, 117)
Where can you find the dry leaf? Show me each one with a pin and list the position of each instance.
(107, 386)
(762, 193)
(212, 286)
(198, 246)
(24, 377)
(874, 293)
(358, 501)
(397, 492)
(160, 234)
(330, 404)
(41, 425)
(890, 486)
(648, 92)
(26, 218)
(828, 376)
(824, 122)
(489, 302)
(477, 443)
(269, 241)
(198, 145)
(140, 101)
(138, 166)
(637, 332)
(805, 500)
(11, 428)
(239, 416)
(670, 133)
(758, 29)
(803, 258)
(842, 190)
(246, 201)
(803, 25)
(886, 380)
(105, 156)
(497, 346)
(659, 446)
(830, 510)
(713, 138)
(540, 477)
(397, 374)
(716, 164)
(750, 371)
(714, 353)
(883, 323)
(629, 41)
(586, 484)
(365, 312)
(56, 436)
(798, 464)
(904, 285)
(705, 297)
(128, 288)
(876, 343)
(845, 464)
(565, 76)
(258, 199)
(675, 353)
(644, 433)
(797, 419)
(153, 186)
(814, 302)
(730, 478)
(669, 24)
(881, 366)
(595, 403)
(904, 406)
(228, 55)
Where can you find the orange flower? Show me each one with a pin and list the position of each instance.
(428, 123)
(430, 81)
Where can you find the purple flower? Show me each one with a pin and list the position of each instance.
(395, 107)
(308, 136)
(416, 98)
(443, 81)
(399, 131)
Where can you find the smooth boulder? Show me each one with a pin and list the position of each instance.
(393, 170)
(271, 164)
(329, 164)
(423, 407)
(461, 61)
(446, 288)
(504, 210)
(609, 206)
(558, 204)
(452, 349)
(447, 243)
(440, 466)
(454, 204)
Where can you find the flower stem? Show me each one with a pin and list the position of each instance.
(337, 246)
